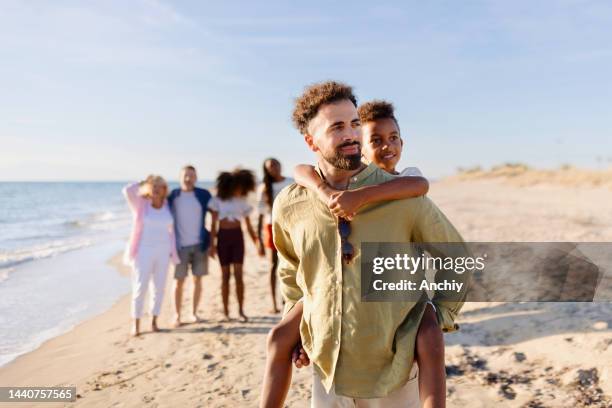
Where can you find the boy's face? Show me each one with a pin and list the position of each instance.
(382, 143)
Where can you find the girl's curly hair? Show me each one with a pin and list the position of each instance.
(226, 185)
(241, 180)
(245, 181)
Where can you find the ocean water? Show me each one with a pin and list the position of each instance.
(42, 220)
(55, 241)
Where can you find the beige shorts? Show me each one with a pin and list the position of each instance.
(405, 397)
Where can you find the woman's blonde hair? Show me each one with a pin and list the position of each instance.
(146, 189)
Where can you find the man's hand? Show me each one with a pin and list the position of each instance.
(344, 204)
(212, 251)
(299, 357)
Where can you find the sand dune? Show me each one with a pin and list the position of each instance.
(523, 175)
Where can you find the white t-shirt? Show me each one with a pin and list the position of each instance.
(188, 216)
(156, 226)
(411, 172)
(233, 209)
(262, 206)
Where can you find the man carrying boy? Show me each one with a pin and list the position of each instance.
(362, 352)
(189, 205)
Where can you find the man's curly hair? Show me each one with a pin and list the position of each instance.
(376, 109)
(316, 95)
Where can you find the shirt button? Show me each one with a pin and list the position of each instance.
(336, 342)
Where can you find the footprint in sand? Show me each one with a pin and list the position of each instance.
(507, 392)
(520, 357)
(604, 344)
(147, 398)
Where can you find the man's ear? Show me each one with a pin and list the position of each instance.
(310, 142)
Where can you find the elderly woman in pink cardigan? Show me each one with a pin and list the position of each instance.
(151, 247)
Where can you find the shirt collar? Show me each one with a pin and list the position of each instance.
(357, 178)
(363, 174)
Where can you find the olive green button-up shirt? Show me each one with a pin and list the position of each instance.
(363, 349)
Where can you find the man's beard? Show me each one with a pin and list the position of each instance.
(345, 162)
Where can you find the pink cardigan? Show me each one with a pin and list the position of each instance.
(138, 205)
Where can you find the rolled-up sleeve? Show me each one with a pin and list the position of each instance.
(432, 227)
(288, 261)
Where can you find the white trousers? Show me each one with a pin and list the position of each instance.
(150, 268)
(405, 397)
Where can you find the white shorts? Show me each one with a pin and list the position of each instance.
(405, 397)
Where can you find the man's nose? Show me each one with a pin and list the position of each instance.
(351, 134)
(357, 133)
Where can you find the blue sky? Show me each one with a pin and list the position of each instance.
(114, 90)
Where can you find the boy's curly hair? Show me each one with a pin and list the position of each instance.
(376, 109)
(307, 105)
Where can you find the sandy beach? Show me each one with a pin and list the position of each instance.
(505, 355)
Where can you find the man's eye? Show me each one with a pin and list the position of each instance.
(356, 124)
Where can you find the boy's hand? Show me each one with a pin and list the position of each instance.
(325, 192)
(344, 204)
(299, 356)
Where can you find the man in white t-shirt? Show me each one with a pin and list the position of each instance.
(189, 205)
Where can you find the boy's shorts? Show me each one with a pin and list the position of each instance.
(194, 256)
